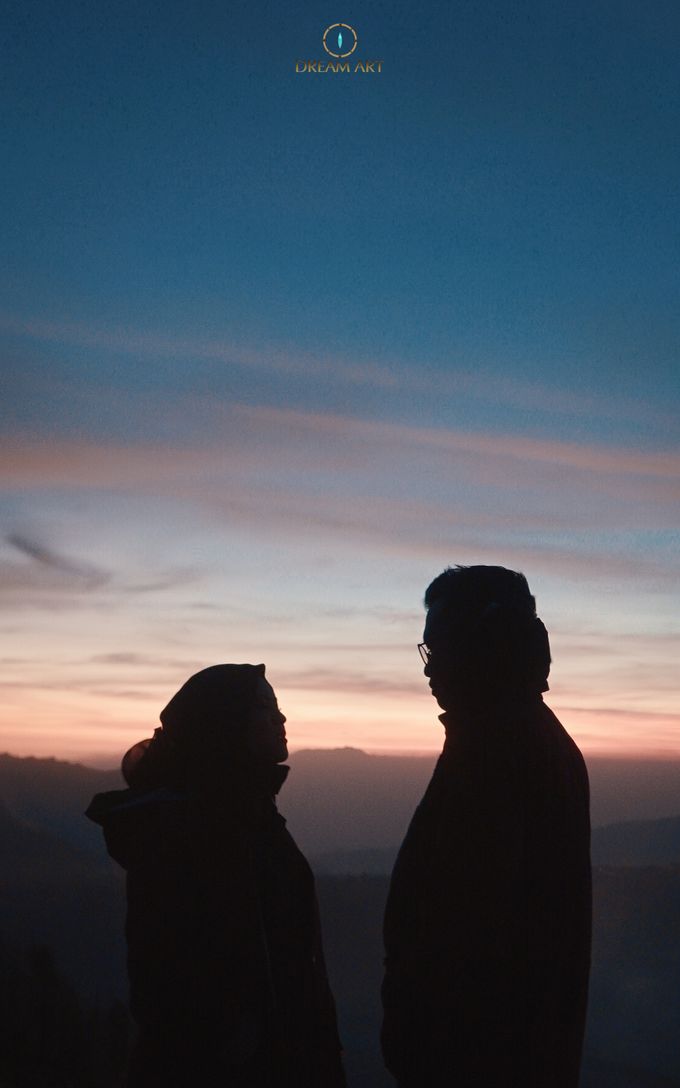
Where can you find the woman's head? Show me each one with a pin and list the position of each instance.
(223, 715)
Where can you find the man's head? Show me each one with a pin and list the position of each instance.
(482, 636)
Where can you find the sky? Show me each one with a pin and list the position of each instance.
(278, 346)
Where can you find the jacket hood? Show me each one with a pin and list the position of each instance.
(135, 822)
(139, 824)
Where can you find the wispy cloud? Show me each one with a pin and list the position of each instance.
(37, 462)
(47, 578)
(338, 441)
(651, 716)
(585, 457)
(449, 376)
(88, 575)
(332, 681)
(285, 361)
(487, 495)
(137, 660)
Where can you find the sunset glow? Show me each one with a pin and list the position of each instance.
(263, 390)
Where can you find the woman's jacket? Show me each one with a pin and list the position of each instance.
(228, 984)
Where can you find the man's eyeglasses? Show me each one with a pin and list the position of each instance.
(424, 652)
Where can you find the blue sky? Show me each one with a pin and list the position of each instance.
(279, 346)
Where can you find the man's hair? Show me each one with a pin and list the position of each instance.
(468, 591)
(492, 610)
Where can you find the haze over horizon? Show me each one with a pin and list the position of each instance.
(279, 347)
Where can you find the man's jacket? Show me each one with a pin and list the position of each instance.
(488, 919)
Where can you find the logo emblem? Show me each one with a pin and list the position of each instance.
(340, 40)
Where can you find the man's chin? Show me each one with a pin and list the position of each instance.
(442, 699)
(445, 699)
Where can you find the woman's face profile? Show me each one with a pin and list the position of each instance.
(266, 733)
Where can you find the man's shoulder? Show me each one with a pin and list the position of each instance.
(555, 771)
(550, 726)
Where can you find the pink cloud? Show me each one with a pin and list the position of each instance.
(272, 431)
(588, 458)
(452, 377)
(265, 473)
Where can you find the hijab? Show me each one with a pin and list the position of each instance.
(202, 744)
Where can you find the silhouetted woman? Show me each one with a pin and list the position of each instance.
(227, 979)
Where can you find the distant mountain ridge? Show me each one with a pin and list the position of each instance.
(52, 795)
(342, 801)
(638, 842)
(631, 843)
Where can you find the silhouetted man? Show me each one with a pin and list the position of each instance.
(487, 926)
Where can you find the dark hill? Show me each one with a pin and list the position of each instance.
(335, 800)
(355, 862)
(52, 795)
(344, 799)
(54, 895)
(634, 1005)
(638, 842)
(34, 855)
(72, 901)
(634, 843)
